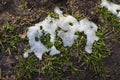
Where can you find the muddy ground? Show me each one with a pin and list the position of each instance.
(36, 11)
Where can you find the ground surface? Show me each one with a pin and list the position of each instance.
(17, 15)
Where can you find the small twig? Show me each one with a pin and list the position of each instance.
(9, 51)
(0, 73)
(1, 44)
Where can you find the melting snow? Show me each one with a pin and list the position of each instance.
(54, 51)
(113, 8)
(57, 10)
(68, 26)
(25, 55)
(89, 28)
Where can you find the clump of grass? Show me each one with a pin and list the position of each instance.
(52, 14)
(110, 19)
(7, 26)
(23, 6)
(45, 39)
(95, 60)
(111, 22)
(9, 37)
(53, 66)
(26, 68)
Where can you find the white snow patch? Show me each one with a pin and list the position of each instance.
(112, 7)
(57, 10)
(89, 28)
(36, 46)
(25, 55)
(54, 51)
(68, 38)
(49, 25)
(68, 26)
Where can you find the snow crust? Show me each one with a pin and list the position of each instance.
(113, 8)
(68, 26)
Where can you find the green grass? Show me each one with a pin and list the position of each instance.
(23, 6)
(110, 19)
(111, 23)
(94, 60)
(26, 68)
(45, 39)
(52, 14)
(9, 38)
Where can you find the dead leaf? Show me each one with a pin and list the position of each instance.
(22, 35)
